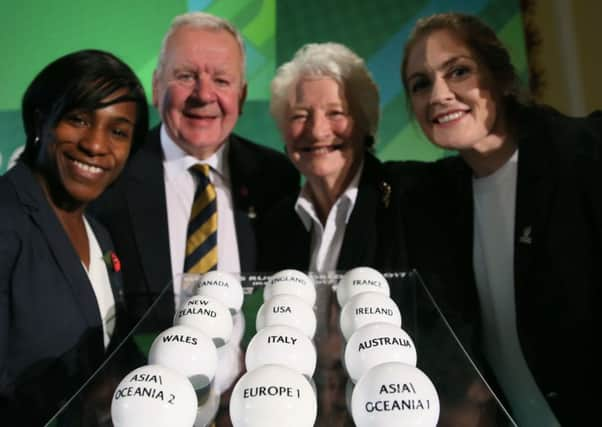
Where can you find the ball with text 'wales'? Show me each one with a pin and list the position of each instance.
(291, 282)
(154, 396)
(222, 286)
(208, 315)
(395, 394)
(282, 345)
(188, 351)
(287, 310)
(273, 396)
(377, 343)
(358, 280)
(365, 308)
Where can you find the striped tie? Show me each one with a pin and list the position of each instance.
(201, 241)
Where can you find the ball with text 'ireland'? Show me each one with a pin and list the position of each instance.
(208, 315)
(358, 280)
(273, 396)
(287, 310)
(291, 282)
(154, 396)
(222, 286)
(394, 394)
(366, 308)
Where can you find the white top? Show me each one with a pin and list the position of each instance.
(326, 240)
(99, 278)
(180, 186)
(493, 259)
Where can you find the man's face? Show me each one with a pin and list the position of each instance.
(199, 90)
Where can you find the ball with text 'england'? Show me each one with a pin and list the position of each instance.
(208, 315)
(273, 396)
(358, 280)
(366, 308)
(287, 310)
(154, 396)
(395, 394)
(188, 351)
(222, 286)
(377, 343)
(291, 282)
(282, 345)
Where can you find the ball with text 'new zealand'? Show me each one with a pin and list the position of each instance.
(358, 280)
(222, 286)
(208, 315)
(366, 308)
(287, 310)
(291, 282)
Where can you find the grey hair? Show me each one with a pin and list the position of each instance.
(203, 21)
(335, 61)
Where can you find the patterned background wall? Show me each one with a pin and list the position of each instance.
(35, 32)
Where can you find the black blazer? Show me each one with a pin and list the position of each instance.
(134, 210)
(50, 326)
(557, 253)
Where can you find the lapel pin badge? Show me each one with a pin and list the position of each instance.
(251, 212)
(525, 238)
(386, 190)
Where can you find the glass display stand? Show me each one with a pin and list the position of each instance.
(465, 398)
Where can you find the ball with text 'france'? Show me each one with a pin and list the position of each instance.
(291, 282)
(273, 395)
(366, 308)
(282, 345)
(287, 310)
(358, 280)
(208, 315)
(222, 286)
(377, 343)
(154, 396)
(395, 394)
(188, 351)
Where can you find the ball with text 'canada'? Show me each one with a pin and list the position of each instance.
(273, 395)
(395, 394)
(282, 345)
(222, 286)
(154, 396)
(366, 308)
(188, 351)
(287, 310)
(291, 282)
(377, 343)
(207, 315)
(358, 280)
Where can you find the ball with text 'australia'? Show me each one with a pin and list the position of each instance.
(291, 282)
(222, 286)
(395, 394)
(282, 345)
(366, 308)
(273, 396)
(377, 343)
(208, 315)
(287, 310)
(358, 280)
(154, 396)
(188, 351)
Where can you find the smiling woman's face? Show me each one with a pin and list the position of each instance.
(321, 139)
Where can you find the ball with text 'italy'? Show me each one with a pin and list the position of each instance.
(358, 280)
(287, 310)
(282, 345)
(154, 396)
(366, 308)
(188, 351)
(377, 343)
(395, 394)
(273, 396)
(208, 315)
(291, 282)
(222, 286)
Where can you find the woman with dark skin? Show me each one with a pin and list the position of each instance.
(60, 287)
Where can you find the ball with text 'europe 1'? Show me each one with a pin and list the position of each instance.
(287, 310)
(273, 396)
(366, 308)
(358, 280)
(377, 343)
(208, 315)
(282, 345)
(188, 351)
(154, 396)
(222, 286)
(291, 282)
(395, 394)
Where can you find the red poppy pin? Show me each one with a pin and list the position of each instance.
(112, 261)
